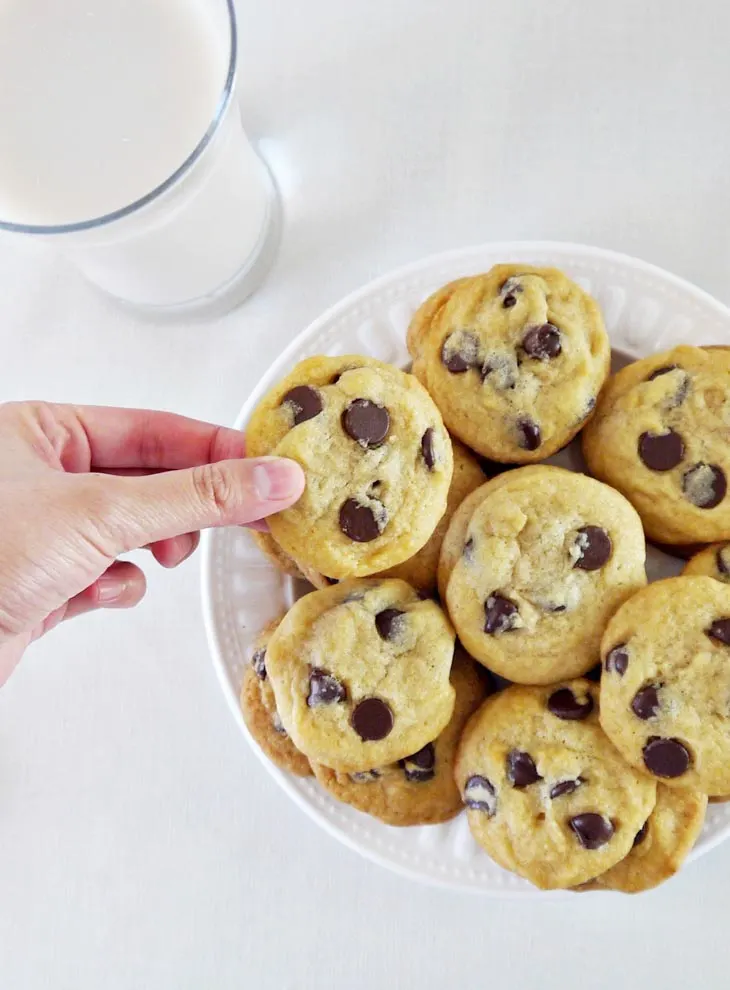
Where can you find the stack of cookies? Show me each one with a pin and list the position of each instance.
(482, 633)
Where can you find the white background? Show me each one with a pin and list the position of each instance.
(141, 844)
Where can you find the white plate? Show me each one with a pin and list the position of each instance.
(645, 309)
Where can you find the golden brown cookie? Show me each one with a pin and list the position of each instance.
(376, 456)
(532, 567)
(713, 561)
(661, 435)
(514, 359)
(666, 682)
(258, 706)
(420, 571)
(418, 790)
(360, 672)
(547, 795)
(661, 845)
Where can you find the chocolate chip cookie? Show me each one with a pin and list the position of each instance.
(514, 359)
(376, 456)
(665, 695)
(546, 793)
(713, 561)
(661, 845)
(661, 435)
(420, 789)
(532, 567)
(258, 706)
(360, 672)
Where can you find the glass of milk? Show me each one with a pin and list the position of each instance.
(121, 144)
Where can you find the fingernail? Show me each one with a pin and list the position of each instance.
(109, 589)
(276, 479)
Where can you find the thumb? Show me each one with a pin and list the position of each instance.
(228, 493)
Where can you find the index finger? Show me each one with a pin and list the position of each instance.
(108, 438)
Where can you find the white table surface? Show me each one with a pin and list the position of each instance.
(141, 844)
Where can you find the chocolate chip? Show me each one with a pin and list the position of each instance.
(500, 614)
(501, 372)
(618, 659)
(723, 566)
(530, 436)
(564, 787)
(595, 548)
(666, 757)
(542, 342)
(389, 623)
(480, 795)
(641, 834)
(594, 674)
(421, 766)
(324, 688)
(591, 830)
(306, 403)
(427, 449)
(330, 580)
(704, 485)
(661, 451)
(468, 551)
(720, 631)
(509, 300)
(372, 719)
(359, 522)
(662, 371)
(459, 352)
(366, 422)
(521, 770)
(564, 704)
(645, 704)
(365, 776)
(258, 662)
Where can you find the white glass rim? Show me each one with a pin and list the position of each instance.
(170, 181)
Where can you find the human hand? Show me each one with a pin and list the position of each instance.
(82, 485)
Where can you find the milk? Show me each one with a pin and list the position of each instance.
(101, 102)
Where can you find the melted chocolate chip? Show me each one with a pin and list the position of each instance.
(720, 631)
(372, 719)
(529, 435)
(365, 776)
(330, 580)
(389, 623)
(258, 662)
(666, 757)
(521, 770)
(645, 704)
(305, 402)
(704, 485)
(595, 548)
(509, 300)
(564, 787)
(324, 688)
(618, 660)
(641, 834)
(592, 830)
(480, 795)
(459, 352)
(359, 522)
(366, 422)
(500, 614)
(542, 342)
(564, 704)
(427, 449)
(661, 451)
(722, 564)
(421, 766)
(662, 371)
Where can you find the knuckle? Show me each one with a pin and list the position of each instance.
(214, 488)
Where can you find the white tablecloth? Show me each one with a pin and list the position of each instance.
(141, 844)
